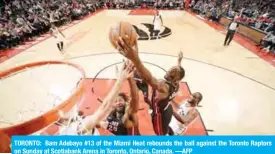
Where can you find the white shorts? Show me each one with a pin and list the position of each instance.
(178, 131)
(176, 126)
(157, 26)
(59, 39)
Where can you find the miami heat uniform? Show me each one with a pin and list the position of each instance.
(116, 126)
(162, 110)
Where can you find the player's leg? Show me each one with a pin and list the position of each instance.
(161, 121)
(226, 38)
(166, 117)
(59, 46)
(62, 44)
(157, 123)
(231, 37)
(157, 33)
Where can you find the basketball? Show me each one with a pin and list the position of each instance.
(5, 142)
(122, 29)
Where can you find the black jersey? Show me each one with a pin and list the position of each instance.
(115, 125)
(162, 104)
(162, 110)
(141, 84)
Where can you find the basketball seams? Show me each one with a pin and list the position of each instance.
(122, 29)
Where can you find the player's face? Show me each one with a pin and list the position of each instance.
(120, 103)
(194, 99)
(173, 74)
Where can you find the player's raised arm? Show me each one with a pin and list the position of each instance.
(131, 52)
(175, 104)
(91, 121)
(180, 56)
(134, 103)
(187, 119)
(130, 117)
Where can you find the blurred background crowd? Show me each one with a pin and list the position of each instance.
(22, 20)
(258, 14)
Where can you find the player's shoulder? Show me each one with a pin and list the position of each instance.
(163, 87)
(164, 83)
(182, 104)
(194, 112)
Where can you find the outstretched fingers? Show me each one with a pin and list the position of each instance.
(129, 68)
(180, 56)
(126, 43)
(120, 49)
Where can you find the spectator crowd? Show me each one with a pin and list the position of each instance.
(22, 20)
(257, 14)
(159, 4)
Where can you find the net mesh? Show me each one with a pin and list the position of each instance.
(35, 90)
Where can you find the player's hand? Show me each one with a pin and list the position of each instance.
(133, 71)
(127, 71)
(180, 56)
(127, 50)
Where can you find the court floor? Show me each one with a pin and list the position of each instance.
(238, 87)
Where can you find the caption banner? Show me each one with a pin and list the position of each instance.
(143, 144)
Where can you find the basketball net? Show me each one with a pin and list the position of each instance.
(43, 90)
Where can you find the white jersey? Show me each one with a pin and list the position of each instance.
(57, 35)
(177, 127)
(157, 22)
(73, 129)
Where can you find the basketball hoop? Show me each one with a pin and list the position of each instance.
(60, 96)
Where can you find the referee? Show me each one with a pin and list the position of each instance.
(232, 27)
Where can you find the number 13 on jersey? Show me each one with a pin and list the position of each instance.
(89, 143)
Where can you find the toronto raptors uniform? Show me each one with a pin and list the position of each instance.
(59, 38)
(176, 126)
(57, 35)
(157, 23)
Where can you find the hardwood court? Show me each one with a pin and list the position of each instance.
(238, 86)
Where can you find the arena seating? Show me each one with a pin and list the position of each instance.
(22, 21)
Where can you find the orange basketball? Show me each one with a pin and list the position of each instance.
(122, 29)
(5, 142)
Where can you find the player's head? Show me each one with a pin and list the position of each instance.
(157, 12)
(195, 99)
(175, 74)
(121, 101)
